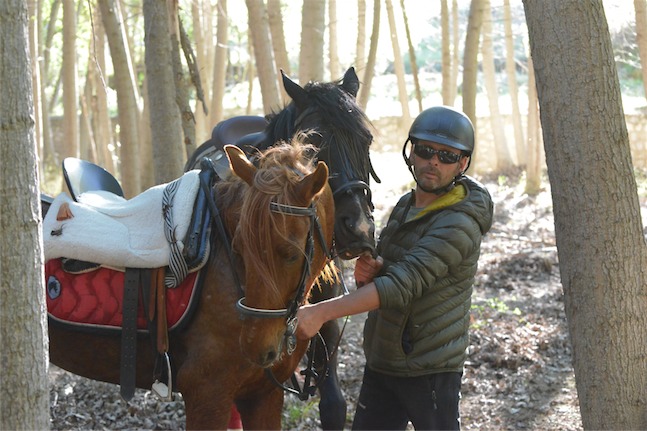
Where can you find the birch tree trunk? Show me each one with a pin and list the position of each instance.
(598, 227)
(24, 389)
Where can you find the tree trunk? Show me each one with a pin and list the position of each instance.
(70, 96)
(24, 389)
(333, 55)
(513, 88)
(412, 57)
(455, 57)
(503, 157)
(168, 155)
(311, 53)
(275, 19)
(360, 44)
(34, 7)
(203, 31)
(446, 57)
(640, 7)
(405, 121)
(267, 75)
(220, 64)
(598, 227)
(470, 67)
(365, 90)
(127, 97)
(534, 161)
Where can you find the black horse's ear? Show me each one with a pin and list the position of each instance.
(295, 91)
(351, 82)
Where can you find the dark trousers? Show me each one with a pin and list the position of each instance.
(388, 403)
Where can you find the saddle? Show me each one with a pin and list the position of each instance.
(94, 236)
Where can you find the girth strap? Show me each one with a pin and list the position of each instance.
(129, 333)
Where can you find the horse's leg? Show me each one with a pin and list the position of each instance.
(332, 405)
(262, 412)
(207, 401)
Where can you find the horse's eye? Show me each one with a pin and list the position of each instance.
(289, 253)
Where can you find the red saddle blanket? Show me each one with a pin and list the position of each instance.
(95, 298)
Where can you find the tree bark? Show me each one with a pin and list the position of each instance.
(24, 389)
(470, 67)
(360, 44)
(534, 161)
(598, 227)
(275, 19)
(513, 88)
(311, 53)
(168, 154)
(220, 64)
(333, 55)
(446, 55)
(267, 75)
(640, 8)
(127, 97)
(369, 72)
(70, 96)
(412, 57)
(399, 67)
(503, 157)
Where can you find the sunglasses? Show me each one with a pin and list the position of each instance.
(444, 156)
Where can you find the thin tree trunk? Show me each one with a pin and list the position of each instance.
(168, 154)
(333, 55)
(455, 57)
(360, 44)
(513, 88)
(70, 95)
(534, 148)
(127, 97)
(275, 20)
(311, 52)
(503, 157)
(220, 64)
(470, 67)
(412, 57)
(405, 120)
(267, 75)
(365, 90)
(446, 55)
(640, 8)
(34, 7)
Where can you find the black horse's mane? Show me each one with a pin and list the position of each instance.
(343, 124)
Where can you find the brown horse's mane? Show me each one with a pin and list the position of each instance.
(279, 168)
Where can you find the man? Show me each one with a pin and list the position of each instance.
(418, 290)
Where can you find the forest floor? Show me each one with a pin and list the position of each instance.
(518, 376)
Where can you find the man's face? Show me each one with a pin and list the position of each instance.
(436, 165)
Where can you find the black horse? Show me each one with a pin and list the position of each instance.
(335, 124)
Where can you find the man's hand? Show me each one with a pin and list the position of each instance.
(366, 268)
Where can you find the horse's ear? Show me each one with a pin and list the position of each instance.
(295, 91)
(351, 82)
(241, 166)
(311, 185)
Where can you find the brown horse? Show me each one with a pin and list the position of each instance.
(279, 215)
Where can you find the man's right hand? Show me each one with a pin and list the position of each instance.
(366, 268)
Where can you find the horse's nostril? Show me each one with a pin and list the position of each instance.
(268, 358)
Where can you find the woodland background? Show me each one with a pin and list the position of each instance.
(137, 86)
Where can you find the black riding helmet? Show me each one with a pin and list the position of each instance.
(444, 125)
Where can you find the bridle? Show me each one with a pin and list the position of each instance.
(290, 312)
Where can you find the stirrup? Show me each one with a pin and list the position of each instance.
(164, 391)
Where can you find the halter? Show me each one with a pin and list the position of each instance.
(290, 312)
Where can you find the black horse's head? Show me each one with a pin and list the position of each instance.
(334, 123)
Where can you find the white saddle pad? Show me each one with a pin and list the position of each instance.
(110, 230)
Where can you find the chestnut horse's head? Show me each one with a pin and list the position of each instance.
(284, 236)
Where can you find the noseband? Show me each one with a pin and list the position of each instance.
(291, 311)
